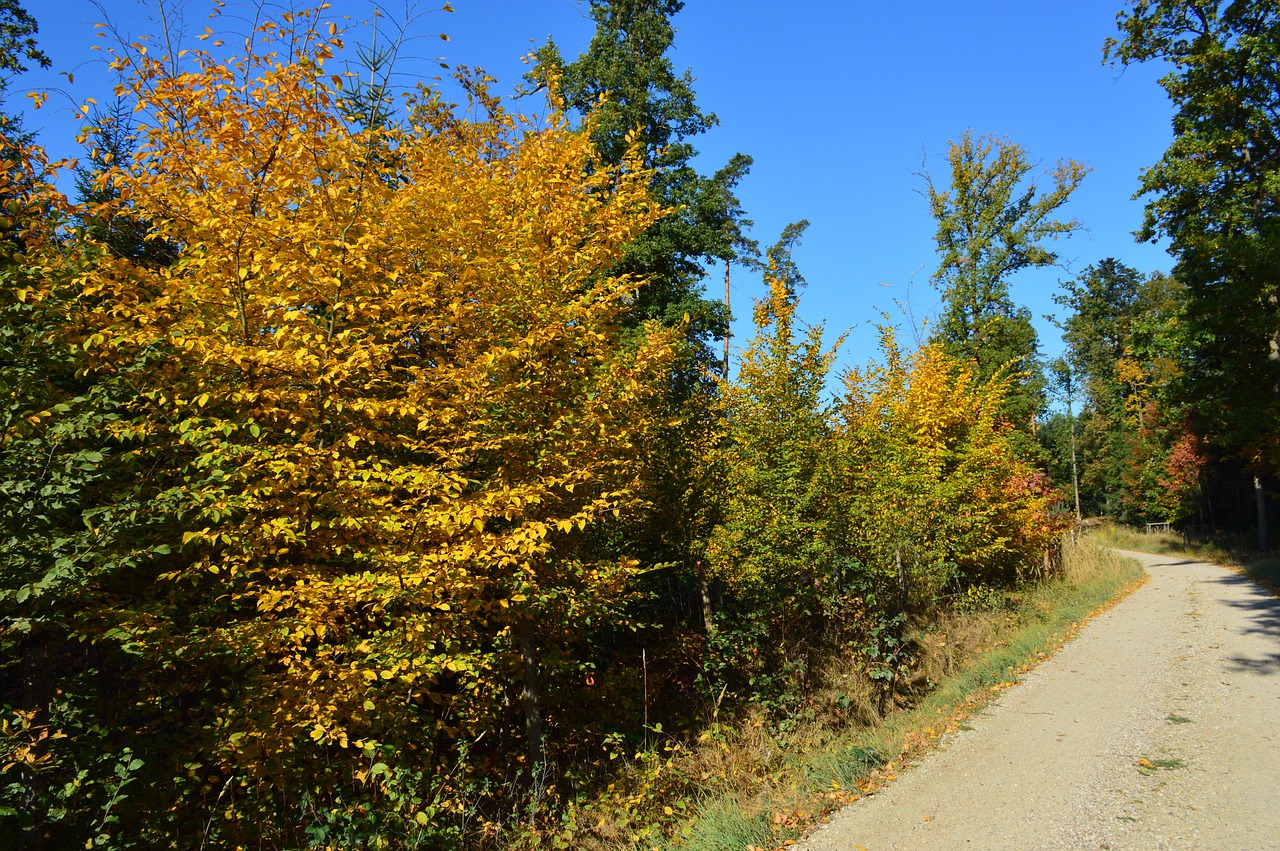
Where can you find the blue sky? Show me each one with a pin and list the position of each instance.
(836, 101)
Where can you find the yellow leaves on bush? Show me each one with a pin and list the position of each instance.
(394, 379)
(932, 474)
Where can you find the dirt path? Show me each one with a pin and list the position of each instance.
(1184, 674)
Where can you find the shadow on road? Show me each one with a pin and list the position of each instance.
(1263, 619)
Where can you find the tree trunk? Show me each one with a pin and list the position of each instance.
(1260, 497)
(36, 694)
(531, 696)
(903, 599)
(704, 590)
(1075, 475)
(726, 319)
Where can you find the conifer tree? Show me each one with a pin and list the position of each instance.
(627, 80)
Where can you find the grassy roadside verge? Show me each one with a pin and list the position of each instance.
(1263, 569)
(761, 785)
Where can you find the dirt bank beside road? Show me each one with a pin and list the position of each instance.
(1157, 727)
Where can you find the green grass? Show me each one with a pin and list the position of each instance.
(725, 827)
(1149, 767)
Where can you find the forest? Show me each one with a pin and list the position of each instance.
(375, 471)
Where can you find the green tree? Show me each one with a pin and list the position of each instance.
(18, 44)
(1064, 383)
(1126, 346)
(627, 81)
(1103, 301)
(780, 262)
(993, 221)
(74, 519)
(1213, 195)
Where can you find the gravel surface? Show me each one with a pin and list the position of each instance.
(1157, 727)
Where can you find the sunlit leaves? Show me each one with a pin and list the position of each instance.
(773, 535)
(391, 401)
(931, 477)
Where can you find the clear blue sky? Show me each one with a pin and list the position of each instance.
(836, 101)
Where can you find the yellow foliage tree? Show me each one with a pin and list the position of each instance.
(770, 546)
(396, 403)
(938, 497)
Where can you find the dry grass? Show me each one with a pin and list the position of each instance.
(759, 782)
(1084, 559)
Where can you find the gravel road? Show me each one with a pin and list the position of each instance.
(1184, 675)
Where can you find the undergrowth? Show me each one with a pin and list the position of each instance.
(760, 781)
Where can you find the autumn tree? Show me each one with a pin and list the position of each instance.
(394, 398)
(1212, 194)
(772, 548)
(18, 46)
(938, 497)
(994, 221)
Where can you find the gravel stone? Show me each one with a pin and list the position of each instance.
(1184, 674)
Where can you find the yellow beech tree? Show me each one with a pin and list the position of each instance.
(937, 496)
(393, 407)
(770, 552)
